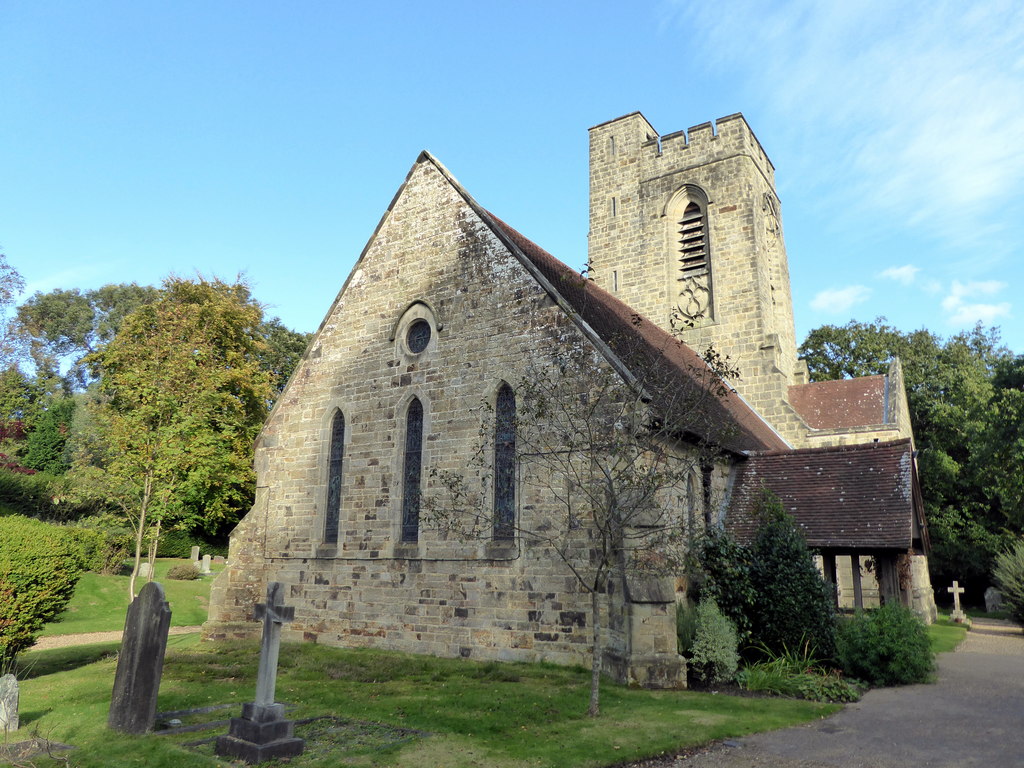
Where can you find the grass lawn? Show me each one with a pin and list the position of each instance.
(945, 635)
(101, 602)
(389, 709)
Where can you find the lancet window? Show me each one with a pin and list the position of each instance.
(412, 472)
(504, 463)
(334, 465)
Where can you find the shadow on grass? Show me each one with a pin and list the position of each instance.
(32, 664)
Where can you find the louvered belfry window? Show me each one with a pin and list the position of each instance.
(694, 275)
(412, 472)
(693, 242)
(504, 463)
(334, 478)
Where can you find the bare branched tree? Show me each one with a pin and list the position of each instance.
(607, 445)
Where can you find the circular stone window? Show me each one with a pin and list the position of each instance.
(418, 336)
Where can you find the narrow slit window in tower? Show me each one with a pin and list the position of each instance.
(334, 478)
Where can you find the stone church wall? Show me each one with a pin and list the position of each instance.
(441, 595)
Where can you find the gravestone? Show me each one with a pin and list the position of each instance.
(957, 615)
(8, 703)
(219, 559)
(206, 564)
(143, 569)
(195, 554)
(993, 600)
(262, 733)
(140, 662)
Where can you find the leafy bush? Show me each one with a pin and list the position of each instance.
(39, 568)
(686, 628)
(178, 543)
(714, 657)
(103, 550)
(798, 675)
(183, 572)
(886, 646)
(727, 570)
(795, 606)
(1009, 575)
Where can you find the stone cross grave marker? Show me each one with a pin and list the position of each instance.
(957, 614)
(262, 733)
(206, 564)
(140, 661)
(8, 704)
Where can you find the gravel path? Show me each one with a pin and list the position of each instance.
(970, 717)
(64, 641)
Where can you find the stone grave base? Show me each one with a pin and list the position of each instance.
(261, 733)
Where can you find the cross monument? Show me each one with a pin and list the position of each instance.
(957, 615)
(262, 733)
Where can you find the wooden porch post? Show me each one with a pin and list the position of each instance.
(858, 591)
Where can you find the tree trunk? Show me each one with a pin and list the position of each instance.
(153, 546)
(147, 488)
(595, 665)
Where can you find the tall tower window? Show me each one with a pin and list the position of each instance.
(504, 463)
(334, 478)
(412, 471)
(691, 284)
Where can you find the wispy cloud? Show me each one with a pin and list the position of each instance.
(904, 275)
(835, 301)
(924, 97)
(963, 308)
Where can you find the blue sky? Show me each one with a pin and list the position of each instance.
(143, 138)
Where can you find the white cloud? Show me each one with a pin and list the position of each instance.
(904, 274)
(964, 312)
(916, 103)
(838, 300)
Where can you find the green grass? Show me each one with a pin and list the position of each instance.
(101, 602)
(945, 635)
(394, 709)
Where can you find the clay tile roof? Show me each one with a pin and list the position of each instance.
(662, 364)
(853, 496)
(842, 403)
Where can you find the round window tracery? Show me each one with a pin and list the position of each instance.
(418, 336)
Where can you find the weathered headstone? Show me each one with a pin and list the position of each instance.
(219, 559)
(140, 661)
(206, 564)
(143, 569)
(993, 600)
(195, 554)
(8, 703)
(262, 733)
(957, 615)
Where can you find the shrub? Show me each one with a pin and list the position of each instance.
(686, 628)
(177, 543)
(103, 550)
(39, 568)
(183, 572)
(797, 674)
(1009, 576)
(714, 657)
(771, 588)
(886, 646)
(726, 566)
(794, 606)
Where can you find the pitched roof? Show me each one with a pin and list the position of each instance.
(668, 369)
(842, 403)
(854, 496)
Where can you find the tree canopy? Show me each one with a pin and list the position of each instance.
(967, 408)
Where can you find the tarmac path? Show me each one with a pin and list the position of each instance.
(973, 716)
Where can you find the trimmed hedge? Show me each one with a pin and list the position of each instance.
(39, 567)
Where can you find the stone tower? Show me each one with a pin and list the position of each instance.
(686, 229)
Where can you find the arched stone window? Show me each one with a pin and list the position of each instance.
(504, 463)
(412, 471)
(690, 280)
(334, 465)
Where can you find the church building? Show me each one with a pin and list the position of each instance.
(448, 307)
